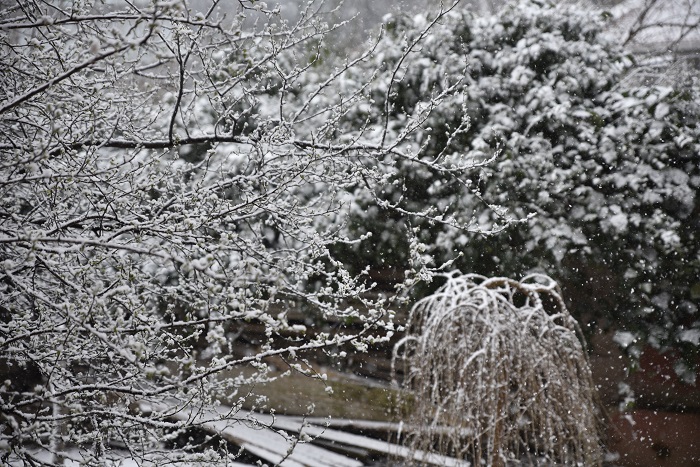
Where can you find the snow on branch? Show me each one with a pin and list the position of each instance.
(495, 371)
(176, 187)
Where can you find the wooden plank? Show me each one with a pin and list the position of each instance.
(274, 457)
(339, 423)
(255, 436)
(364, 442)
(265, 436)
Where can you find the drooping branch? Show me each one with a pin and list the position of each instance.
(496, 370)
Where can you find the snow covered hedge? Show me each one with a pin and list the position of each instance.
(604, 171)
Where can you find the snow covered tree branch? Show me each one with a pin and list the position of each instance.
(659, 23)
(170, 177)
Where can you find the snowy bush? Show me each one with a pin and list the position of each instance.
(603, 173)
(165, 183)
(495, 373)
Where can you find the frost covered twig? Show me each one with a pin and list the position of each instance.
(170, 179)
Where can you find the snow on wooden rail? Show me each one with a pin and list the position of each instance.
(268, 437)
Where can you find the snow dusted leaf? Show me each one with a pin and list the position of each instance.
(594, 172)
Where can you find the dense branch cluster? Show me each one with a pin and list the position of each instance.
(168, 178)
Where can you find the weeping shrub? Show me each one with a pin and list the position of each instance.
(495, 371)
